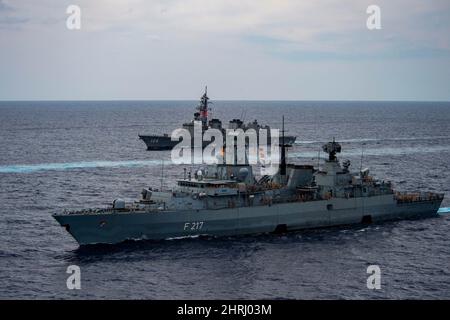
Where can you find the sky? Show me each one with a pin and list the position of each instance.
(241, 49)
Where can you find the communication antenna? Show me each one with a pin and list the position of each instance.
(243, 114)
(162, 174)
(283, 152)
(362, 156)
(318, 160)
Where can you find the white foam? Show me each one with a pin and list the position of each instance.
(30, 168)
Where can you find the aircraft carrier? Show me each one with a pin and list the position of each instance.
(228, 199)
(164, 142)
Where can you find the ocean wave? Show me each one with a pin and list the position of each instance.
(30, 168)
(387, 151)
(362, 140)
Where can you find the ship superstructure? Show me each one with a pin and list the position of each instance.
(228, 199)
(164, 142)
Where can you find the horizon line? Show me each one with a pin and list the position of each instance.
(221, 100)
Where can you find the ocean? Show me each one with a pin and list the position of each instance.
(72, 155)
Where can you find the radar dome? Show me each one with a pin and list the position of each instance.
(243, 174)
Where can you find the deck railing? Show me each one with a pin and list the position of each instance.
(407, 197)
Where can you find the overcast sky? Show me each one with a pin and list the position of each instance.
(277, 50)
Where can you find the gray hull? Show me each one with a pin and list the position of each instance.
(158, 142)
(117, 227)
(154, 142)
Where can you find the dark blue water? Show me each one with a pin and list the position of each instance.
(57, 155)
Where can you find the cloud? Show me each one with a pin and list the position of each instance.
(4, 6)
(30, 17)
(288, 26)
(299, 48)
(8, 18)
(282, 26)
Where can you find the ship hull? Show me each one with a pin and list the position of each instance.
(158, 142)
(154, 142)
(118, 227)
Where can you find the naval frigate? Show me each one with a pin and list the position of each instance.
(228, 199)
(165, 142)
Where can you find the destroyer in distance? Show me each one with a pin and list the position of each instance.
(227, 199)
(165, 142)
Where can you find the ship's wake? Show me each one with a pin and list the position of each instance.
(385, 151)
(30, 168)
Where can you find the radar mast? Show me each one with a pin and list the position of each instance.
(203, 108)
(332, 148)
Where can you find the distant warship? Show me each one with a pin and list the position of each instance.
(227, 199)
(164, 142)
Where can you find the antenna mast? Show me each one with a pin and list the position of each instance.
(203, 108)
(162, 174)
(318, 160)
(362, 155)
(283, 152)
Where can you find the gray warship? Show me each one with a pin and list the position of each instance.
(228, 199)
(164, 142)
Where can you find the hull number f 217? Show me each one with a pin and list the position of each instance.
(193, 226)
